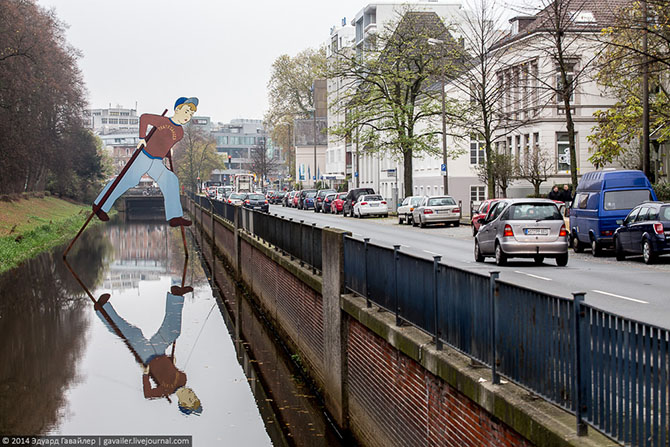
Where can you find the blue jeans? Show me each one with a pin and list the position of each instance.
(168, 332)
(165, 178)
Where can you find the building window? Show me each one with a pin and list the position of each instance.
(526, 149)
(570, 75)
(517, 149)
(477, 193)
(563, 152)
(477, 149)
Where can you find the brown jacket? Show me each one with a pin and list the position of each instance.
(167, 377)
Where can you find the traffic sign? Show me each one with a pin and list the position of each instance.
(443, 169)
(356, 174)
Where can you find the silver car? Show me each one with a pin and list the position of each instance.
(523, 228)
(406, 208)
(436, 209)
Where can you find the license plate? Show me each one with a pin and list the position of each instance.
(536, 231)
(258, 207)
(374, 204)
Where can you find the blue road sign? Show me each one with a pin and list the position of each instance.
(356, 174)
(443, 167)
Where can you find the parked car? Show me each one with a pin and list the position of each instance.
(480, 214)
(406, 209)
(337, 204)
(327, 201)
(645, 231)
(351, 198)
(602, 198)
(302, 196)
(296, 199)
(277, 197)
(268, 194)
(257, 202)
(309, 200)
(436, 209)
(370, 205)
(523, 228)
(320, 196)
(236, 198)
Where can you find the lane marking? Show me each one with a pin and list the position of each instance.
(619, 296)
(432, 253)
(533, 276)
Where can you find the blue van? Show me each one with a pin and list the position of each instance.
(602, 198)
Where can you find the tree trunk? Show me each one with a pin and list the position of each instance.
(571, 140)
(490, 178)
(407, 171)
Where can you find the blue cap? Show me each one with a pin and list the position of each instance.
(185, 100)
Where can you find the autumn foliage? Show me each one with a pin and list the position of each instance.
(43, 142)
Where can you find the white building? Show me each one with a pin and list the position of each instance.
(117, 119)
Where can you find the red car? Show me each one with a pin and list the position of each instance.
(296, 198)
(337, 204)
(480, 214)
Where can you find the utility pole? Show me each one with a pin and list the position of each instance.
(314, 172)
(444, 139)
(646, 159)
(358, 162)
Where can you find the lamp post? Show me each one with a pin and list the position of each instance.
(445, 180)
(314, 133)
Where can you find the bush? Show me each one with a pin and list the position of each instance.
(662, 191)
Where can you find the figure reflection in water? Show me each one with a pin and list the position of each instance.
(152, 352)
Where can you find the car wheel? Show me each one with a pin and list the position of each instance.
(386, 216)
(400, 221)
(478, 254)
(618, 249)
(501, 258)
(647, 253)
(577, 246)
(414, 223)
(457, 224)
(538, 260)
(596, 249)
(562, 260)
(422, 224)
(474, 231)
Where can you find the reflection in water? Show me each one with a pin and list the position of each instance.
(42, 327)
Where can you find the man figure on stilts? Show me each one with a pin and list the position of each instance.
(167, 132)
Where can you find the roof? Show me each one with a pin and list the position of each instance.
(584, 16)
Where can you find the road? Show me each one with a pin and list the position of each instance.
(630, 288)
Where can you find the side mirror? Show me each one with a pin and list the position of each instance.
(619, 222)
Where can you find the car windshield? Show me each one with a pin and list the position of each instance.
(330, 196)
(415, 201)
(310, 195)
(256, 197)
(236, 196)
(441, 201)
(625, 200)
(342, 195)
(326, 192)
(373, 197)
(534, 211)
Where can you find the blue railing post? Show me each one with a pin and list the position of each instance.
(396, 257)
(436, 269)
(302, 244)
(580, 325)
(291, 232)
(493, 294)
(365, 271)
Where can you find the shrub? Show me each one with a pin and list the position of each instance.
(662, 191)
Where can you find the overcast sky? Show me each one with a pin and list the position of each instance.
(151, 51)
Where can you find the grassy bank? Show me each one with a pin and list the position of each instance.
(29, 226)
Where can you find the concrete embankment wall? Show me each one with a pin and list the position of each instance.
(384, 384)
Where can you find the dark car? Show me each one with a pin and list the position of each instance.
(328, 201)
(301, 197)
(352, 196)
(309, 201)
(256, 202)
(320, 197)
(277, 197)
(645, 231)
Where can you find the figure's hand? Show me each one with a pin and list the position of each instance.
(142, 142)
(146, 369)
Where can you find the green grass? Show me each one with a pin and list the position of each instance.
(37, 231)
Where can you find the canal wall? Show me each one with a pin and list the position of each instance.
(385, 384)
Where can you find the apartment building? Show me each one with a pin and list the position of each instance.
(113, 119)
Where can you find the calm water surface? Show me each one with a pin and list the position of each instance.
(65, 369)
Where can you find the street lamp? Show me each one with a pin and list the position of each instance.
(436, 42)
(314, 132)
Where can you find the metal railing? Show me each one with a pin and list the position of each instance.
(609, 371)
(297, 239)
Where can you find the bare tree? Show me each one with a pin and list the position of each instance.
(536, 168)
(262, 163)
(482, 86)
(196, 156)
(503, 171)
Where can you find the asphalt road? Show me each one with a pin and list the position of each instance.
(630, 288)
